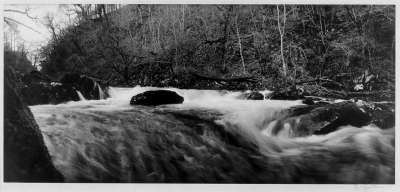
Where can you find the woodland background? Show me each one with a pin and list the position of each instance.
(221, 46)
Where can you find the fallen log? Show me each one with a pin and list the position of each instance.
(320, 80)
(220, 79)
(324, 82)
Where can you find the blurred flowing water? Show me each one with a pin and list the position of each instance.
(80, 95)
(214, 137)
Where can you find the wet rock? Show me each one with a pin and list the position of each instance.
(26, 158)
(156, 97)
(320, 119)
(326, 116)
(382, 113)
(254, 95)
(320, 101)
(39, 89)
(91, 88)
(291, 93)
(343, 113)
(309, 101)
(48, 93)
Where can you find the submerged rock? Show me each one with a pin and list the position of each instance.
(26, 158)
(156, 97)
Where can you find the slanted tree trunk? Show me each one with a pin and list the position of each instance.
(240, 45)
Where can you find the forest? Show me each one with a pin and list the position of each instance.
(233, 47)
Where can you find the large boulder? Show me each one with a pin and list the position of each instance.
(156, 97)
(26, 158)
(307, 120)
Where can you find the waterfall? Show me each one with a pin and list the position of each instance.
(102, 95)
(81, 97)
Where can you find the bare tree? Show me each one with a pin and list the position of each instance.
(224, 40)
(13, 23)
(240, 44)
(281, 28)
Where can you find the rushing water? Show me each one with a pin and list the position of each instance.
(81, 97)
(214, 136)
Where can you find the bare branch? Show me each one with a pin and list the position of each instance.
(9, 20)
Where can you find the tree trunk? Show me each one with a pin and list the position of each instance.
(225, 38)
(281, 34)
(240, 45)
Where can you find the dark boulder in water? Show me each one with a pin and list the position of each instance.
(311, 100)
(26, 158)
(156, 97)
(254, 95)
(308, 120)
(308, 101)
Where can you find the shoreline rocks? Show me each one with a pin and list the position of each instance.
(48, 93)
(39, 89)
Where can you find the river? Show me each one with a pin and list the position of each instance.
(213, 137)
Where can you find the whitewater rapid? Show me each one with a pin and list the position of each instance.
(111, 141)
